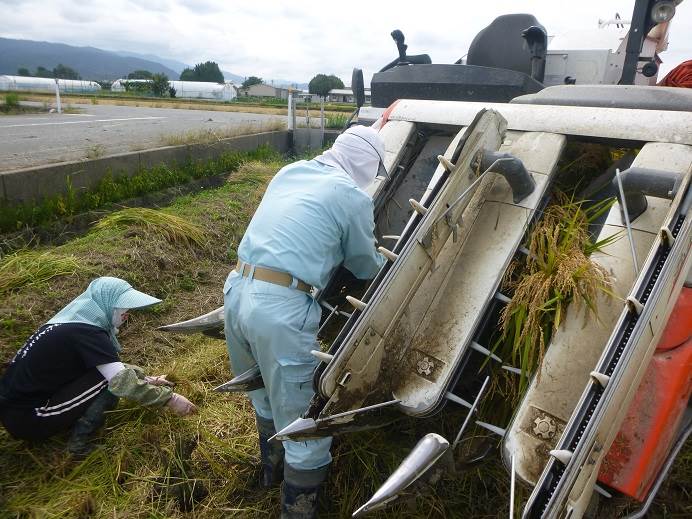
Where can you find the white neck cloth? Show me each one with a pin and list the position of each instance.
(358, 151)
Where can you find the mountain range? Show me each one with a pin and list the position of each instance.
(96, 64)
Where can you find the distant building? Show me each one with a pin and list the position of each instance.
(188, 89)
(263, 90)
(336, 95)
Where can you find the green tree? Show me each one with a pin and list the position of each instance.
(23, 71)
(65, 72)
(159, 85)
(139, 74)
(207, 71)
(321, 84)
(43, 72)
(252, 80)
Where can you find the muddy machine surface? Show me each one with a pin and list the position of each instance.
(607, 409)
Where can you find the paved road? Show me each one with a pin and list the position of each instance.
(36, 139)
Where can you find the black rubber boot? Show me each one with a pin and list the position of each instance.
(271, 452)
(80, 443)
(300, 491)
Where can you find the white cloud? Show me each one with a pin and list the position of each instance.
(273, 39)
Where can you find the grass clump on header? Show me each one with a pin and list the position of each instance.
(556, 273)
(173, 228)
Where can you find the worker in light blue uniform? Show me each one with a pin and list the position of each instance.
(314, 216)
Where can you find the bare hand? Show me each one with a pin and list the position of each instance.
(181, 405)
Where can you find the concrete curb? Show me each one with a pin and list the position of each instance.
(29, 185)
(33, 184)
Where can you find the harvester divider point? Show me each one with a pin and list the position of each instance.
(667, 236)
(356, 303)
(322, 356)
(562, 455)
(634, 306)
(471, 411)
(418, 207)
(458, 400)
(485, 351)
(492, 428)
(387, 253)
(502, 298)
(602, 491)
(600, 378)
(446, 163)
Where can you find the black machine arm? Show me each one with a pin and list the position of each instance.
(404, 59)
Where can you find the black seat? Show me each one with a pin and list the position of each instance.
(510, 42)
(505, 60)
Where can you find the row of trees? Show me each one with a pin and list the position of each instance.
(60, 72)
(207, 71)
(155, 84)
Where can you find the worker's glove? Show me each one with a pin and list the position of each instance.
(159, 381)
(181, 405)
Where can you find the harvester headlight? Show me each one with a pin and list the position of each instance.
(663, 11)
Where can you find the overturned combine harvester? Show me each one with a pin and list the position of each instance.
(466, 182)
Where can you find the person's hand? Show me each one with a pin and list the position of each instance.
(159, 381)
(181, 405)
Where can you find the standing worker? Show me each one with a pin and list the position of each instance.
(69, 373)
(313, 217)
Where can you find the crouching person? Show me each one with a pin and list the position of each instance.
(69, 373)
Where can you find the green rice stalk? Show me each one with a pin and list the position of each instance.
(557, 272)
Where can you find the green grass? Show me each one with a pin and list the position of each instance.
(112, 189)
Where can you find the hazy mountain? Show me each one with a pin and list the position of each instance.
(90, 62)
(99, 64)
(178, 66)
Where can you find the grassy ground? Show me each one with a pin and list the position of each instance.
(152, 462)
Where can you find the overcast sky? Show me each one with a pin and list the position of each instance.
(296, 40)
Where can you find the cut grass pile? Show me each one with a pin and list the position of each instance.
(28, 268)
(152, 462)
(174, 228)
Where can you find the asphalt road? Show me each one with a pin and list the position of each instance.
(98, 130)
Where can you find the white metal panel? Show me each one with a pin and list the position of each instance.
(395, 135)
(607, 123)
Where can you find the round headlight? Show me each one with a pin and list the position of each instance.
(663, 11)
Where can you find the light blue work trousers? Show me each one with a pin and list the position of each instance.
(276, 327)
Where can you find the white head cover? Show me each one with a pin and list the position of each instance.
(358, 151)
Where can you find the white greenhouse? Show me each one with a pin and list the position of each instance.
(40, 84)
(189, 89)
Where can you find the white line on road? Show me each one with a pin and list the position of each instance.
(82, 122)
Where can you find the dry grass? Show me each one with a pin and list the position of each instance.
(152, 461)
(30, 268)
(173, 228)
(209, 136)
